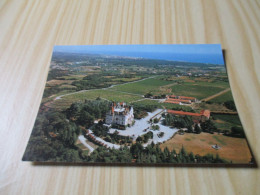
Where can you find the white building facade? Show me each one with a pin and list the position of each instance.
(120, 114)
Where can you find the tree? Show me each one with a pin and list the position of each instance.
(148, 95)
(208, 126)
(230, 105)
(197, 129)
(139, 139)
(136, 149)
(237, 131)
(73, 110)
(85, 119)
(189, 129)
(156, 120)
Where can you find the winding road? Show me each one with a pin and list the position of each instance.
(82, 139)
(59, 97)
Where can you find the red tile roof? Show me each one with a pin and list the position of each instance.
(182, 97)
(183, 113)
(178, 100)
(205, 113)
(190, 98)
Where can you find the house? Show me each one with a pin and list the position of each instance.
(120, 114)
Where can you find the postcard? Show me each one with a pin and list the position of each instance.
(140, 105)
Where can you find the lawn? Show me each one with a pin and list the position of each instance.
(232, 149)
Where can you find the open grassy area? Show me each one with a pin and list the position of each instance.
(232, 149)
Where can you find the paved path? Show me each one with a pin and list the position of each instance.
(144, 124)
(108, 144)
(82, 139)
(216, 95)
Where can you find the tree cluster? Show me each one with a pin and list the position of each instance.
(140, 110)
(230, 105)
(144, 138)
(53, 138)
(178, 121)
(85, 113)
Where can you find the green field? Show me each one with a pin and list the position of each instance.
(143, 87)
(162, 105)
(198, 89)
(116, 96)
(194, 90)
(234, 119)
(223, 98)
(220, 84)
(225, 121)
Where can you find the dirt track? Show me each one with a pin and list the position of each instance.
(216, 95)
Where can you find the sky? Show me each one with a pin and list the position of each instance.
(203, 53)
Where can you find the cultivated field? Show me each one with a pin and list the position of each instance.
(225, 121)
(223, 98)
(232, 149)
(143, 87)
(195, 90)
(116, 96)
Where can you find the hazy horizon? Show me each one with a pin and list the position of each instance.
(197, 53)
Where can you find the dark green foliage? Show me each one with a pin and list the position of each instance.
(140, 111)
(178, 121)
(85, 113)
(147, 136)
(136, 149)
(230, 105)
(153, 154)
(190, 130)
(156, 120)
(197, 129)
(99, 130)
(114, 138)
(161, 134)
(148, 95)
(155, 127)
(101, 154)
(208, 126)
(58, 147)
(144, 138)
(56, 73)
(237, 132)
